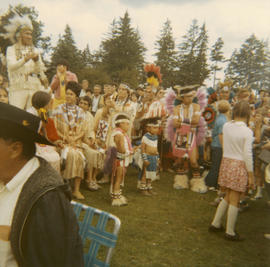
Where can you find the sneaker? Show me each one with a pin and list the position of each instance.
(213, 229)
(235, 237)
(103, 181)
(92, 186)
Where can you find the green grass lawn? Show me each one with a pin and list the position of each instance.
(171, 229)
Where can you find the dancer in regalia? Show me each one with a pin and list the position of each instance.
(118, 157)
(24, 63)
(186, 130)
(150, 155)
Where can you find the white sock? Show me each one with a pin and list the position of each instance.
(231, 219)
(221, 209)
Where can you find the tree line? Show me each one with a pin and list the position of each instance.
(121, 55)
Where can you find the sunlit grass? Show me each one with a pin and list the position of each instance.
(171, 229)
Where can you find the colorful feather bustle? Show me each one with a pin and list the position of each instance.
(169, 130)
(202, 98)
(201, 133)
(169, 101)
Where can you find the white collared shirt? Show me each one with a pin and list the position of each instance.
(9, 195)
(95, 103)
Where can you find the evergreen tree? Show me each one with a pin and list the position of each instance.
(123, 52)
(87, 57)
(250, 65)
(66, 48)
(216, 57)
(193, 67)
(166, 55)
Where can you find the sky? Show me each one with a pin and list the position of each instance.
(90, 20)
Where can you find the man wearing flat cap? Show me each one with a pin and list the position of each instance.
(37, 223)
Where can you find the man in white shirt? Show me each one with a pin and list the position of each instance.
(85, 89)
(37, 224)
(97, 99)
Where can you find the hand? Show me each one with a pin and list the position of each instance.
(27, 57)
(177, 123)
(45, 82)
(35, 57)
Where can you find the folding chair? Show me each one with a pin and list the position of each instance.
(98, 235)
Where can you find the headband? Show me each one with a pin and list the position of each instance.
(121, 120)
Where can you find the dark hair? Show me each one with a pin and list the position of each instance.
(40, 99)
(241, 110)
(87, 99)
(88, 90)
(63, 62)
(74, 87)
(11, 133)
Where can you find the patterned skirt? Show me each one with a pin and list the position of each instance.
(233, 174)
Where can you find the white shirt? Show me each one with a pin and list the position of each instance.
(237, 142)
(95, 103)
(82, 93)
(9, 195)
(19, 71)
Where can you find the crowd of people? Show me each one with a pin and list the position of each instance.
(211, 140)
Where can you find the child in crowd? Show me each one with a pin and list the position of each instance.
(236, 170)
(122, 143)
(211, 179)
(150, 155)
(41, 105)
(3, 95)
(92, 155)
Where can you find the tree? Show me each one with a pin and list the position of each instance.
(123, 52)
(166, 55)
(66, 48)
(87, 57)
(250, 65)
(193, 67)
(216, 57)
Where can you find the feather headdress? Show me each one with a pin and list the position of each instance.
(226, 85)
(15, 24)
(153, 74)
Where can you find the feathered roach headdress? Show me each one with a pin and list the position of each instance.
(186, 90)
(226, 85)
(153, 74)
